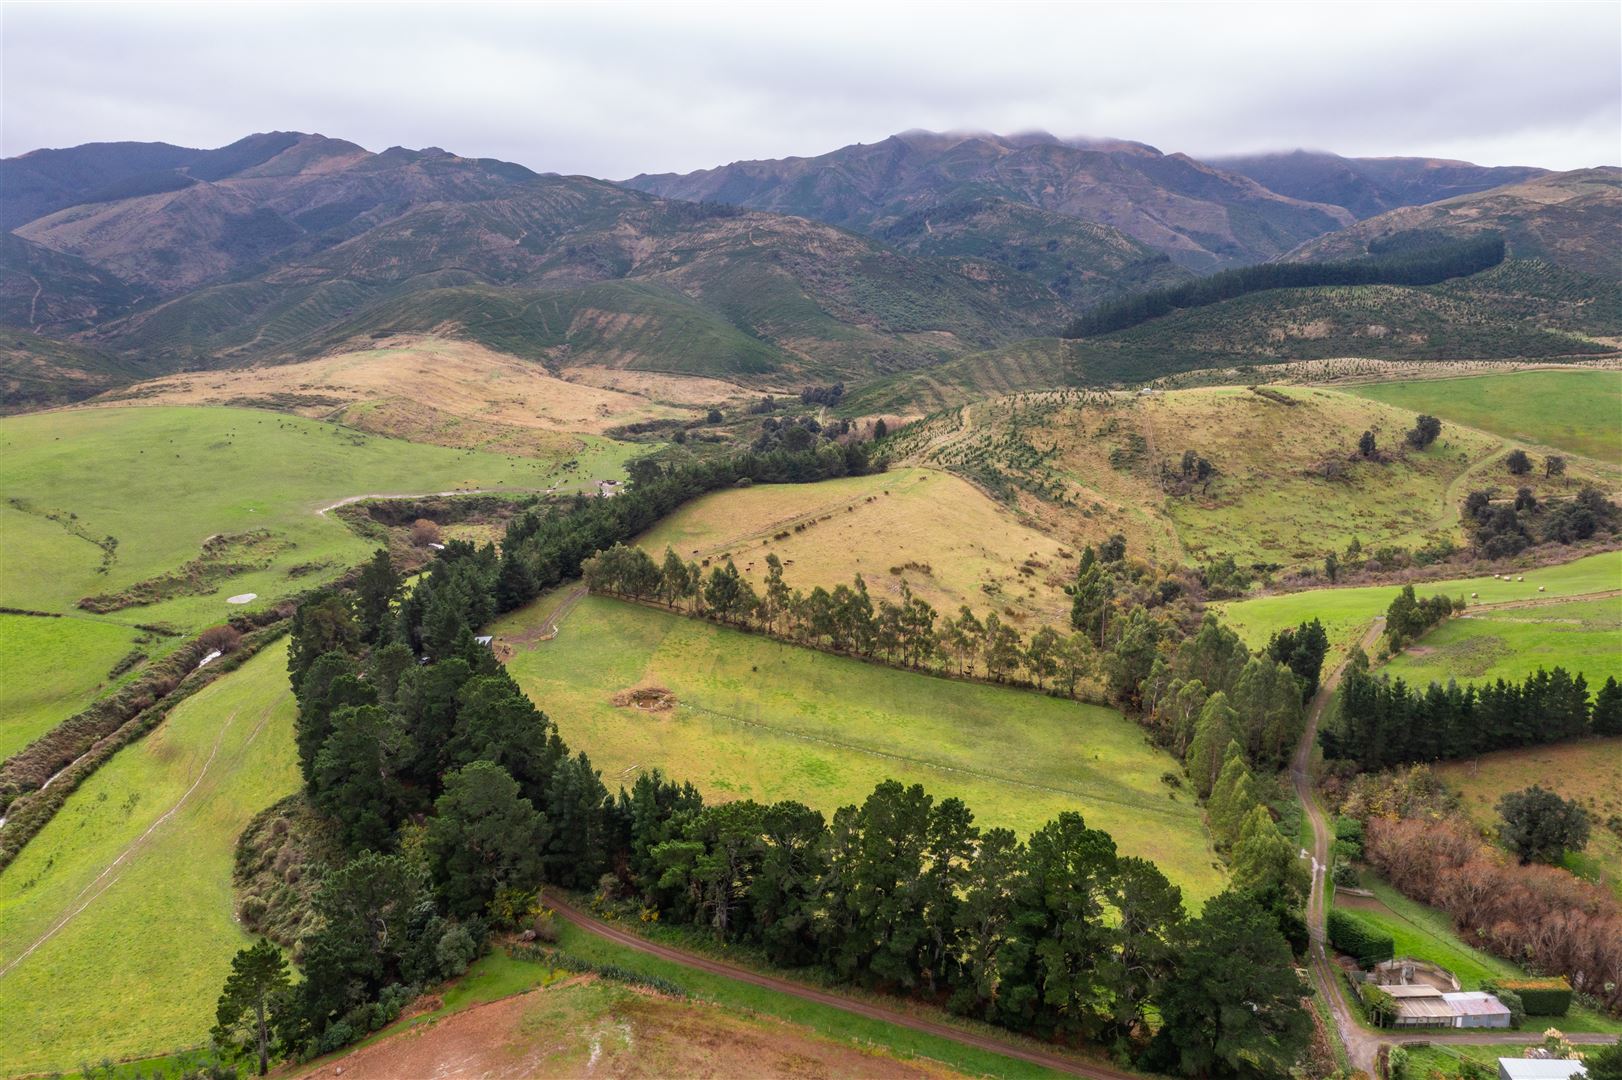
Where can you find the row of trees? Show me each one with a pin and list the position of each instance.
(907, 631)
(1422, 266)
(455, 798)
(1408, 617)
(1058, 936)
(1381, 722)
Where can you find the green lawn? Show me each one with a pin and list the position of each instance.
(148, 938)
(163, 480)
(1427, 934)
(1582, 636)
(1345, 612)
(52, 669)
(767, 721)
(1574, 410)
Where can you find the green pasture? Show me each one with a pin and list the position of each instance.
(133, 875)
(1346, 612)
(163, 480)
(1576, 410)
(1582, 636)
(51, 669)
(762, 720)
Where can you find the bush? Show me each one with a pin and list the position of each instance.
(455, 951)
(1345, 875)
(1357, 939)
(1541, 997)
(1378, 1004)
(1513, 1002)
(1396, 1064)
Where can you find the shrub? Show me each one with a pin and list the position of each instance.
(1357, 939)
(1380, 1006)
(1542, 997)
(1396, 1063)
(1345, 875)
(456, 950)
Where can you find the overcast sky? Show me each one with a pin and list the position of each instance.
(614, 89)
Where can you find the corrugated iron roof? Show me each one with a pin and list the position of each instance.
(1476, 1003)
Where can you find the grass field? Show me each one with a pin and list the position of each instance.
(951, 543)
(1589, 772)
(53, 668)
(1582, 636)
(1571, 410)
(1427, 934)
(162, 480)
(481, 398)
(135, 872)
(768, 721)
(1346, 611)
(1084, 465)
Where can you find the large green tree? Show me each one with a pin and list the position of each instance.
(484, 836)
(1232, 1007)
(1540, 826)
(254, 991)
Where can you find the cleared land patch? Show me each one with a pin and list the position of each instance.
(52, 669)
(478, 394)
(761, 720)
(948, 541)
(162, 482)
(1572, 410)
(1589, 772)
(125, 896)
(590, 1026)
(1582, 636)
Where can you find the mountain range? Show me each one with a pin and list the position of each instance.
(127, 259)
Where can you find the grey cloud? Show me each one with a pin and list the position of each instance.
(612, 89)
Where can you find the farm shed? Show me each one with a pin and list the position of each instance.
(1537, 1068)
(1420, 1006)
(1478, 1009)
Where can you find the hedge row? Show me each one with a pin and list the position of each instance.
(1542, 997)
(1357, 939)
(557, 958)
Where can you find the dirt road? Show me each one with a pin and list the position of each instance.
(1362, 1044)
(1056, 1062)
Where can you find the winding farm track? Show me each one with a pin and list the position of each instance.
(697, 962)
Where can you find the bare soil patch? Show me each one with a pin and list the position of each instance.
(589, 1028)
(655, 699)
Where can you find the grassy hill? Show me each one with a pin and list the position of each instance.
(946, 539)
(121, 503)
(763, 720)
(1288, 486)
